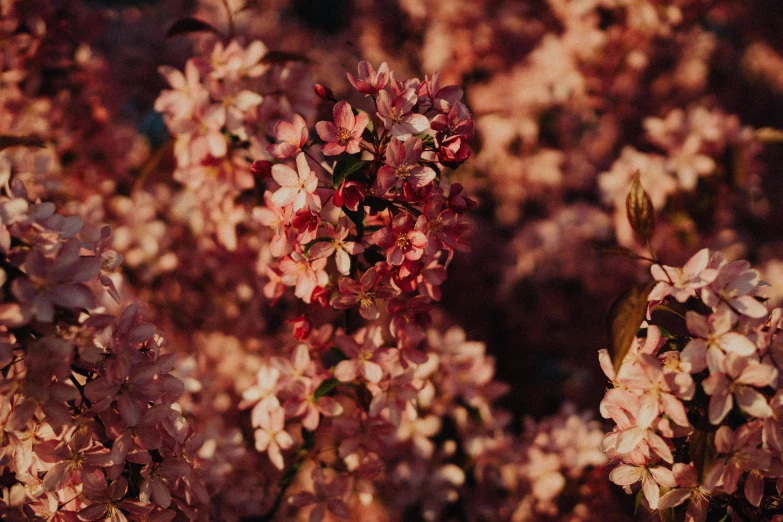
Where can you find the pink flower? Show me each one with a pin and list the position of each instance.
(290, 137)
(652, 478)
(345, 134)
(738, 451)
(681, 283)
(369, 81)
(305, 405)
(363, 356)
(396, 115)
(400, 240)
(713, 331)
(328, 496)
(401, 166)
(735, 285)
(278, 219)
(735, 377)
(362, 293)
(341, 249)
(304, 274)
(296, 189)
(269, 420)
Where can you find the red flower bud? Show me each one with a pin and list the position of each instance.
(324, 92)
(261, 169)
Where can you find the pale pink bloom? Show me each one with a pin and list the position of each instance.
(200, 137)
(369, 81)
(688, 489)
(188, 94)
(296, 370)
(295, 189)
(652, 478)
(364, 359)
(290, 137)
(657, 392)
(681, 283)
(238, 105)
(268, 418)
(266, 385)
(345, 134)
(402, 166)
(396, 115)
(738, 451)
(304, 274)
(304, 404)
(397, 395)
(278, 219)
(713, 331)
(733, 377)
(57, 281)
(736, 285)
(363, 293)
(341, 249)
(772, 429)
(401, 241)
(107, 504)
(329, 496)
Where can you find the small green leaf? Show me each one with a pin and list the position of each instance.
(638, 501)
(325, 388)
(345, 167)
(702, 451)
(639, 208)
(625, 315)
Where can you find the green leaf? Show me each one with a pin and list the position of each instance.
(702, 451)
(638, 501)
(625, 315)
(345, 167)
(639, 208)
(325, 388)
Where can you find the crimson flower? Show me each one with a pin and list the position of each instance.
(401, 241)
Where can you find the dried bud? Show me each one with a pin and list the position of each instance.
(324, 92)
(261, 169)
(639, 208)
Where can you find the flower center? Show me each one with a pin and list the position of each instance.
(403, 242)
(343, 136)
(403, 171)
(395, 114)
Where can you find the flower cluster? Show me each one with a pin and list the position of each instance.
(217, 110)
(697, 400)
(90, 424)
(383, 210)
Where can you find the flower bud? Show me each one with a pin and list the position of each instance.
(324, 92)
(261, 169)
